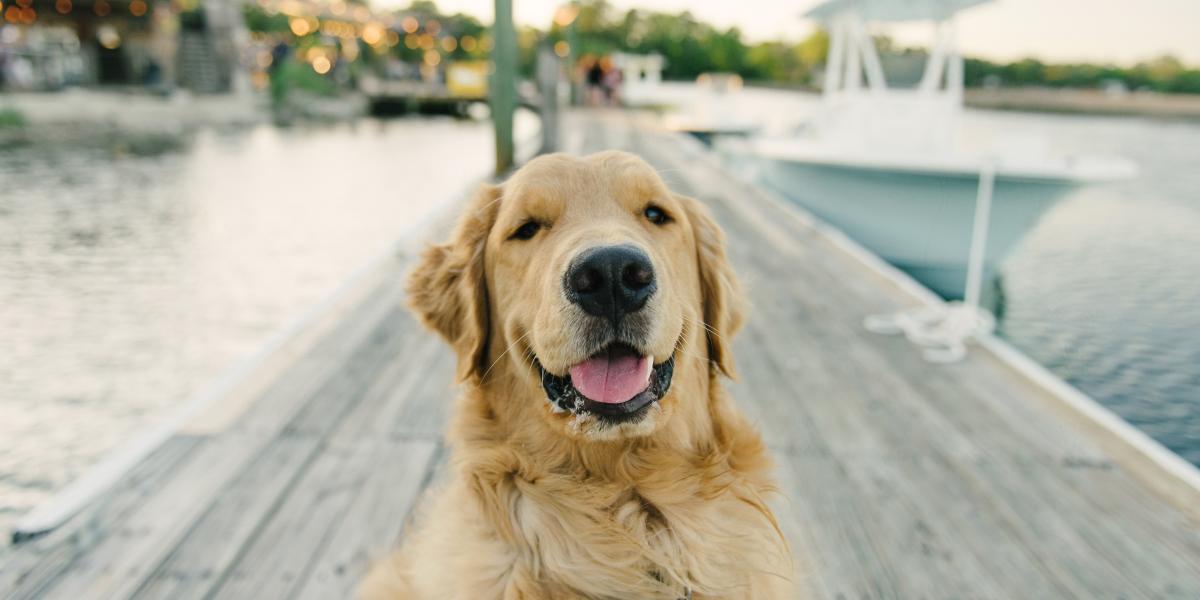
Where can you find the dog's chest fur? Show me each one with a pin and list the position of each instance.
(676, 532)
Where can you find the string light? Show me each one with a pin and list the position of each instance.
(108, 37)
(299, 26)
(373, 33)
(321, 65)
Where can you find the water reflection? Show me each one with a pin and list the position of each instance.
(128, 280)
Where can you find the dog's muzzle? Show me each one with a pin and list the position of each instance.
(616, 385)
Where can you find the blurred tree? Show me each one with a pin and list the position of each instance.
(1163, 74)
(692, 47)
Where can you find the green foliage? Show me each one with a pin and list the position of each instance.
(291, 75)
(260, 20)
(11, 118)
(456, 25)
(1164, 74)
(690, 46)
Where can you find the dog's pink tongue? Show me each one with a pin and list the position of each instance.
(612, 380)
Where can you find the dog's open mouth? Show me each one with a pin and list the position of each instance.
(616, 384)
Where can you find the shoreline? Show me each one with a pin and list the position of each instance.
(1058, 100)
(79, 114)
(1076, 101)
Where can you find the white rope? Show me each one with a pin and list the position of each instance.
(943, 330)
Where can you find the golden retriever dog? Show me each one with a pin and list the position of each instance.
(594, 452)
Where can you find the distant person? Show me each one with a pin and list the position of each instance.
(152, 76)
(595, 83)
(611, 82)
(280, 54)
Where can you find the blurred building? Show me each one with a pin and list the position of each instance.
(49, 44)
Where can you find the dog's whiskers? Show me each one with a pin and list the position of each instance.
(529, 357)
(706, 327)
(506, 351)
(679, 350)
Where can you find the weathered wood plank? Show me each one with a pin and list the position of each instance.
(229, 532)
(425, 415)
(201, 558)
(132, 547)
(36, 564)
(373, 522)
(214, 541)
(279, 560)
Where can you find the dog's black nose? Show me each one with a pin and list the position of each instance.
(610, 281)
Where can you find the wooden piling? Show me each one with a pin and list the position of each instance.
(504, 83)
(549, 70)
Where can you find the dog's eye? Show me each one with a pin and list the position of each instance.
(656, 215)
(526, 231)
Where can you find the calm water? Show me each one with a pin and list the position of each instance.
(1105, 291)
(129, 282)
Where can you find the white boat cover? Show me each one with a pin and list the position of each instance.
(893, 10)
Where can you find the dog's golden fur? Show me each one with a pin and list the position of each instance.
(541, 504)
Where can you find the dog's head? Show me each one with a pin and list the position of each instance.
(589, 284)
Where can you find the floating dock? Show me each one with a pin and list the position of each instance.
(899, 478)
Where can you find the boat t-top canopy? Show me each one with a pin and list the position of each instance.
(852, 51)
(892, 10)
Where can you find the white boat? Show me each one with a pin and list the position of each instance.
(887, 165)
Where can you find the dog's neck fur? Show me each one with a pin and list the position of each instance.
(701, 475)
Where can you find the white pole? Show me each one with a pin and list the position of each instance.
(876, 82)
(833, 65)
(979, 233)
(853, 77)
(954, 77)
(931, 80)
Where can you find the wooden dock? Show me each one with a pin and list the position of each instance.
(900, 479)
(389, 97)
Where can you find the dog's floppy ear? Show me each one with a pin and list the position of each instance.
(724, 304)
(448, 288)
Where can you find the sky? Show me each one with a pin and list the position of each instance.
(1119, 31)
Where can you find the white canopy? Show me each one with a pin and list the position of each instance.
(892, 10)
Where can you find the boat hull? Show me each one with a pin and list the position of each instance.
(919, 222)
